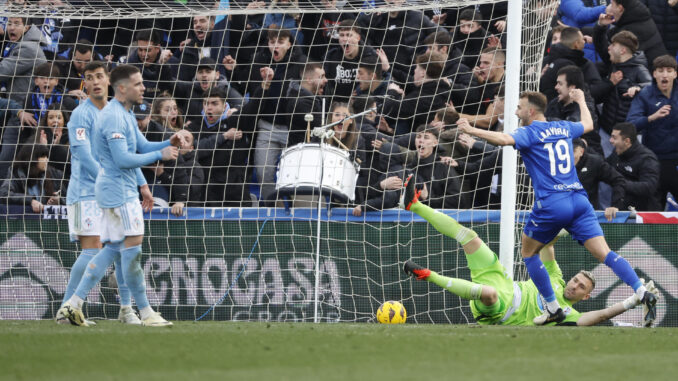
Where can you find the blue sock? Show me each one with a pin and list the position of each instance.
(96, 269)
(77, 270)
(123, 290)
(623, 269)
(134, 275)
(540, 277)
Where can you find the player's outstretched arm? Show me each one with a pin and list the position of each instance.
(144, 146)
(492, 137)
(595, 317)
(127, 160)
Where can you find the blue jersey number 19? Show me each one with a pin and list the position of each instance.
(563, 153)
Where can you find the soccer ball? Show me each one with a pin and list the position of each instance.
(391, 313)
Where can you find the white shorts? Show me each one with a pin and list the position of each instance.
(84, 219)
(124, 221)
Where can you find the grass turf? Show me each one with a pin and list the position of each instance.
(281, 351)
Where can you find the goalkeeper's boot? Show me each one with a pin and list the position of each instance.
(128, 316)
(550, 317)
(155, 320)
(412, 269)
(649, 302)
(411, 194)
(73, 314)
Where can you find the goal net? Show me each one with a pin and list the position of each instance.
(240, 230)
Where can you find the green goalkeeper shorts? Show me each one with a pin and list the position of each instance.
(495, 276)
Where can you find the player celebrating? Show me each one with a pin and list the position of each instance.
(560, 199)
(494, 298)
(116, 139)
(84, 215)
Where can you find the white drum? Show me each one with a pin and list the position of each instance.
(301, 166)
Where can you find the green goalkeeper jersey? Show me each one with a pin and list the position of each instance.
(532, 303)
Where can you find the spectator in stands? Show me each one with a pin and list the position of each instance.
(303, 98)
(582, 14)
(320, 29)
(158, 67)
(638, 165)
(654, 112)
(72, 63)
(206, 78)
(570, 51)
(419, 101)
(195, 175)
(152, 129)
(52, 134)
(21, 55)
(166, 112)
(204, 40)
(488, 76)
(469, 36)
(223, 141)
(33, 182)
(665, 16)
(346, 134)
(593, 169)
(10, 110)
(458, 74)
(633, 16)
(396, 34)
(341, 63)
(564, 108)
(628, 75)
(289, 21)
(47, 91)
(370, 79)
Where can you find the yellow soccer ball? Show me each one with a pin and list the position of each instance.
(391, 313)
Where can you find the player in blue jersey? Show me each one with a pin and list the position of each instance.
(116, 139)
(560, 199)
(84, 215)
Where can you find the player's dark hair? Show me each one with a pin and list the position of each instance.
(427, 128)
(371, 64)
(497, 54)
(47, 70)
(310, 67)
(627, 130)
(665, 61)
(438, 38)
(573, 76)
(578, 142)
(94, 65)
(536, 99)
(122, 73)
(360, 104)
(470, 14)
(626, 39)
(275, 32)
(349, 24)
(215, 92)
(569, 36)
(448, 115)
(151, 35)
(83, 46)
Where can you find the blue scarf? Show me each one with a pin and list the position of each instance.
(223, 116)
(40, 102)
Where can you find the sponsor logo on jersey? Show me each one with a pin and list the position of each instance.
(117, 135)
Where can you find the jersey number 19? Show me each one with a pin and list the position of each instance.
(563, 161)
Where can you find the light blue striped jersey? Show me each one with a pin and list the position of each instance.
(81, 184)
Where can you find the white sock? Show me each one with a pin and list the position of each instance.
(146, 312)
(76, 301)
(641, 292)
(124, 307)
(553, 306)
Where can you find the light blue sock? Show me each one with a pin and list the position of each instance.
(123, 290)
(77, 270)
(540, 277)
(134, 275)
(96, 269)
(623, 270)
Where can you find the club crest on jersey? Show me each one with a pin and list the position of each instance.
(116, 135)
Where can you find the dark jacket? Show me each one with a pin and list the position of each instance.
(418, 105)
(479, 167)
(16, 190)
(341, 72)
(640, 169)
(556, 110)
(320, 31)
(470, 44)
(300, 102)
(660, 136)
(36, 103)
(195, 106)
(156, 77)
(475, 98)
(217, 41)
(636, 19)
(71, 79)
(666, 19)
(560, 56)
(615, 104)
(592, 169)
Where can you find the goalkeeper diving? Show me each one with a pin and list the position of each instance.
(493, 297)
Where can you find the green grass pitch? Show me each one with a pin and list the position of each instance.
(304, 351)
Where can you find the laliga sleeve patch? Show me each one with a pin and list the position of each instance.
(80, 134)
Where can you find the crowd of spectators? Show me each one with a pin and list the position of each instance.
(410, 74)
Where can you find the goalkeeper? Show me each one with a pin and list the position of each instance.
(494, 297)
